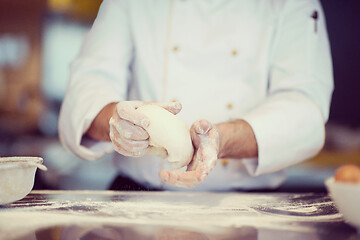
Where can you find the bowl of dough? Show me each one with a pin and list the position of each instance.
(17, 176)
(344, 189)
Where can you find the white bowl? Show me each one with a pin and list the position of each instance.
(17, 177)
(347, 199)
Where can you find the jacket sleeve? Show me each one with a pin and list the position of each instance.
(98, 76)
(289, 125)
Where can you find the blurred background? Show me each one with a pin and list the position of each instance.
(39, 39)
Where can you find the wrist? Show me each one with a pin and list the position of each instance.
(236, 140)
(224, 129)
(100, 128)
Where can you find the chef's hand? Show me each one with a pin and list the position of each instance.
(205, 138)
(127, 127)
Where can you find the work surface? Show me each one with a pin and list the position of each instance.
(172, 215)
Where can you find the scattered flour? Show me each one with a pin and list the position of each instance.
(208, 211)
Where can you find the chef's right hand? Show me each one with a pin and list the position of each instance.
(127, 127)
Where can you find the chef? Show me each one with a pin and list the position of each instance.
(252, 79)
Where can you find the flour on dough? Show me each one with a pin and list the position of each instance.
(169, 136)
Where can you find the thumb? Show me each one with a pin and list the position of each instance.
(127, 110)
(199, 130)
(202, 127)
(173, 107)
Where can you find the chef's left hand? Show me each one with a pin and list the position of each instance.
(205, 138)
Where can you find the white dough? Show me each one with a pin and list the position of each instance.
(169, 136)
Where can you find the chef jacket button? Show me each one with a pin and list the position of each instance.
(224, 161)
(234, 52)
(176, 48)
(229, 106)
(174, 100)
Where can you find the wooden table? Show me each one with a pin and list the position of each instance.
(172, 215)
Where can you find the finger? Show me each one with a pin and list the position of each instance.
(198, 129)
(124, 152)
(185, 179)
(202, 126)
(203, 162)
(214, 138)
(132, 146)
(127, 111)
(173, 107)
(131, 131)
(205, 156)
(194, 162)
(188, 179)
(118, 148)
(128, 145)
(192, 166)
(178, 178)
(205, 152)
(139, 148)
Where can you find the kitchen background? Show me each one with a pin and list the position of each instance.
(38, 40)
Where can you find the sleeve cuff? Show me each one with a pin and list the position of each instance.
(75, 120)
(289, 128)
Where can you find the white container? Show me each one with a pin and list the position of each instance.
(17, 177)
(347, 199)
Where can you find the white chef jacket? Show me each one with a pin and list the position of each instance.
(267, 62)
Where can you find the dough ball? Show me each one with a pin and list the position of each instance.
(169, 136)
(348, 173)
